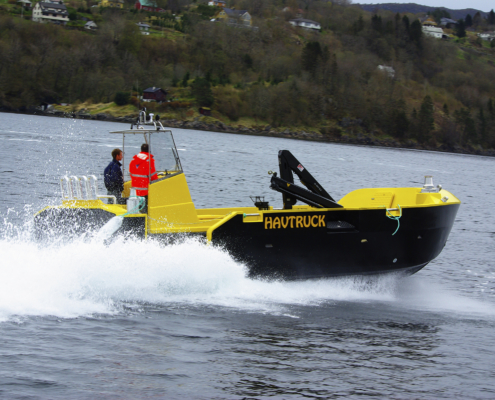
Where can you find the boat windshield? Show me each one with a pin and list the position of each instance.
(162, 147)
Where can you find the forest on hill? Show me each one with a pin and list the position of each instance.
(413, 8)
(442, 92)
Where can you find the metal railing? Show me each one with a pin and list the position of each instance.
(149, 119)
(82, 188)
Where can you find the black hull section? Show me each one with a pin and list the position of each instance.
(73, 223)
(325, 244)
(350, 242)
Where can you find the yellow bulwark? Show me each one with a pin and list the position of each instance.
(170, 205)
(390, 197)
(171, 209)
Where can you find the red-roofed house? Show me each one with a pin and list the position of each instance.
(148, 5)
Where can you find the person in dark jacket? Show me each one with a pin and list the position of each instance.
(114, 179)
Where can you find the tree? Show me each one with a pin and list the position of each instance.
(131, 38)
(397, 23)
(426, 123)
(491, 17)
(72, 14)
(416, 31)
(201, 91)
(311, 56)
(389, 28)
(122, 98)
(398, 122)
(461, 29)
(470, 129)
(358, 26)
(491, 109)
(376, 23)
(468, 21)
(174, 6)
(482, 126)
(477, 19)
(405, 21)
(185, 79)
(467, 124)
(439, 14)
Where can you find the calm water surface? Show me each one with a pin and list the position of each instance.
(136, 320)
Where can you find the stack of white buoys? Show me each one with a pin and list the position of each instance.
(79, 188)
(82, 188)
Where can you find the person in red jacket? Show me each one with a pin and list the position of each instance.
(142, 170)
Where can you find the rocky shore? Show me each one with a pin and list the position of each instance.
(201, 125)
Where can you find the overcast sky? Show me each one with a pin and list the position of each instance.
(483, 5)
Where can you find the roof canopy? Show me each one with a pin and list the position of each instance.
(148, 3)
(234, 13)
(153, 90)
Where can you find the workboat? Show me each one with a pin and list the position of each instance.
(368, 231)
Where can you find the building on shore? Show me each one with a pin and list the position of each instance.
(431, 28)
(306, 24)
(112, 3)
(148, 5)
(487, 35)
(234, 17)
(154, 94)
(53, 11)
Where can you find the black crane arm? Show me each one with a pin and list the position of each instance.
(316, 196)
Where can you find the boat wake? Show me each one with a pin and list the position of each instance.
(88, 277)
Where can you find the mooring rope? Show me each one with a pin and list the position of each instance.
(139, 207)
(395, 218)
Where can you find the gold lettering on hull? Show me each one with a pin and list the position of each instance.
(299, 221)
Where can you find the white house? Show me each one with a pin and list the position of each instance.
(434, 31)
(143, 28)
(390, 71)
(217, 3)
(51, 11)
(305, 23)
(26, 4)
(431, 28)
(487, 36)
(90, 25)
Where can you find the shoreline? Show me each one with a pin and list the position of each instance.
(268, 131)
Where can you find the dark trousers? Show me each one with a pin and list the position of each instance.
(118, 195)
(144, 210)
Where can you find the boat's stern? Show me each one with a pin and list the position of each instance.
(78, 218)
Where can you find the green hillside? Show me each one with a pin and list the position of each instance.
(440, 92)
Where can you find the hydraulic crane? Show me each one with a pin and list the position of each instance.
(316, 196)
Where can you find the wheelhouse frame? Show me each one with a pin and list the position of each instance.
(148, 138)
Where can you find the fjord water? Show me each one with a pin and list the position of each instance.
(134, 320)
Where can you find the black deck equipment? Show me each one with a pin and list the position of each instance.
(316, 196)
